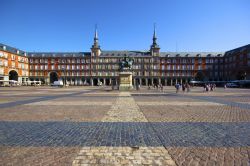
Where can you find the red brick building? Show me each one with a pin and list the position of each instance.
(149, 67)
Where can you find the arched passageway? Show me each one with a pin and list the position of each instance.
(13, 75)
(53, 77)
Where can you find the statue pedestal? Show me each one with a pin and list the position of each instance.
(125, 83)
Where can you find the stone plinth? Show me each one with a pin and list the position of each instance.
(125, 83)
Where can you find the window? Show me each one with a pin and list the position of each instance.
(13, 57)
(1, 71)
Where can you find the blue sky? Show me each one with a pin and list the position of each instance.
(68, 25)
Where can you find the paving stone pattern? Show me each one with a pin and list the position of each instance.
(97, 126)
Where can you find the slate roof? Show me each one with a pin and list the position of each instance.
(239, 49)
(191, 54)
(107, 53)
(58, 54)
(12, 50)
(123, 53)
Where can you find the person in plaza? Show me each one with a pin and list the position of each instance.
(214, 86)
(204, 87)
(161, 87)
(177, 87)
(183, 88)
(188, 87)
(211, 87)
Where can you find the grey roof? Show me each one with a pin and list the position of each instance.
(239, 49)
(58, 54)
(162, 54)
(191, 54)
(12, 50)
(126, 53)
(123, 53)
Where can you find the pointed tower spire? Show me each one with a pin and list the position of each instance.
(96, 34)
(154, 32)
(95, 49)
(155, 49)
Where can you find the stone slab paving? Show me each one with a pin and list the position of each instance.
(116, 156)
(126, 110)
(178, 103)
(195, 113)
(66, 131)
(36, 113)
(202, 156)
(37, 156)
(72, 103)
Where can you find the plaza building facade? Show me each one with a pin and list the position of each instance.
(14, 65)
(150, 67)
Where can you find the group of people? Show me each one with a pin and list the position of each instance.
(156, 86)
(209, 87)
(184, 87)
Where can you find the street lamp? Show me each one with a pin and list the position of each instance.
(64, 82)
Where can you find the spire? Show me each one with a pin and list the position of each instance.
(154, 37)
(96, 34)
(155, 49)
(154, 32)
(95, 49)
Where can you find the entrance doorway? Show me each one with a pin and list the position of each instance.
(53, 77)
(13, 75)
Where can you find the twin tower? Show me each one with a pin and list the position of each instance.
(96, 49)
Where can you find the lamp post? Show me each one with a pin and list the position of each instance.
(64, 82)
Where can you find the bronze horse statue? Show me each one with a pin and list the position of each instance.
(126, 63)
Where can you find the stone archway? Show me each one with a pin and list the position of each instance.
(199, 76)
(95, 81)
(13, 75)
(53, 77)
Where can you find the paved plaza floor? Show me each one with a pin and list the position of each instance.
(98, 126)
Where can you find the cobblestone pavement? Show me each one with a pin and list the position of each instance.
(97, 126)
(123, 156)
(124, 110)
